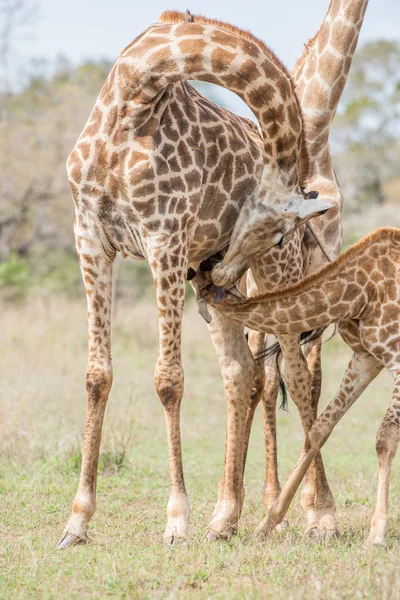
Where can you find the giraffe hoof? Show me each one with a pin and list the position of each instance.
(211, 536)
(377, 542)
(215, 536)
(326, 535)
(265, 528)
(281, 527)
(312, 533)
(69, 539)
(173, 541)
(323, 535)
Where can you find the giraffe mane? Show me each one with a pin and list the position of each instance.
(308, 47)
(314, 278)
(175, 16)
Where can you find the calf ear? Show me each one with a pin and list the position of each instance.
(306, 209)
(234, 295)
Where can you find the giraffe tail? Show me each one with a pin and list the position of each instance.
(275, 350)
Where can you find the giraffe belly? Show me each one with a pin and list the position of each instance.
(123, 233)
(206, 245)
(129, 244)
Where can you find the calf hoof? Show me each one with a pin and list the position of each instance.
(270, 522)
(69, 539)
(378, 531)
(266, 527)
(281, 527)
(378, 544)
(173, 541)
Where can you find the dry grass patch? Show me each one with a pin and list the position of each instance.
(42, 407)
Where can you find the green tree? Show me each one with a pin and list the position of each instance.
(367, 127)
(43, 123)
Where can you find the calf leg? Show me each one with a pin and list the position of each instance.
(318, 500)
(265, 386)
(362, 369)
(387, 441)
(316, 497)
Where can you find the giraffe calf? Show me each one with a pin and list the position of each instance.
(360, 291)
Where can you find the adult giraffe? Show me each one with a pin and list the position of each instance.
(320, 75)
(160, 173)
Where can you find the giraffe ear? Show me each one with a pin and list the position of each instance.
(219, 294)
(311, 195)
(305, 209)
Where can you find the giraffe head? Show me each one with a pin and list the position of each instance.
(263, 225)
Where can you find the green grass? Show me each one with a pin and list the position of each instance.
(42, 408)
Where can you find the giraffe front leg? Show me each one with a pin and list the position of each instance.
(169, 269)
(237, 368)
(309, 491)
(362, 369)
(256, 344)
(387, 441)
(97, 278)
(169, 387)
(265, 387)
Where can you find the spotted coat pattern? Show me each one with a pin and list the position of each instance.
(320, 76)
(361, 292)
(162, 174)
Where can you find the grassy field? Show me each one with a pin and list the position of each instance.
(42, 408)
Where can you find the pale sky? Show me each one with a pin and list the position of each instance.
(82, 29)
(92, 28)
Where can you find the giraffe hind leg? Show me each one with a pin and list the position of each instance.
(169, 268)
(97, 277)
(266, 350)
(362, 369)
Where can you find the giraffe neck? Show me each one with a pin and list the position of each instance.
(321, 72)
(169, 53)
(339, 291)
(303, 311)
